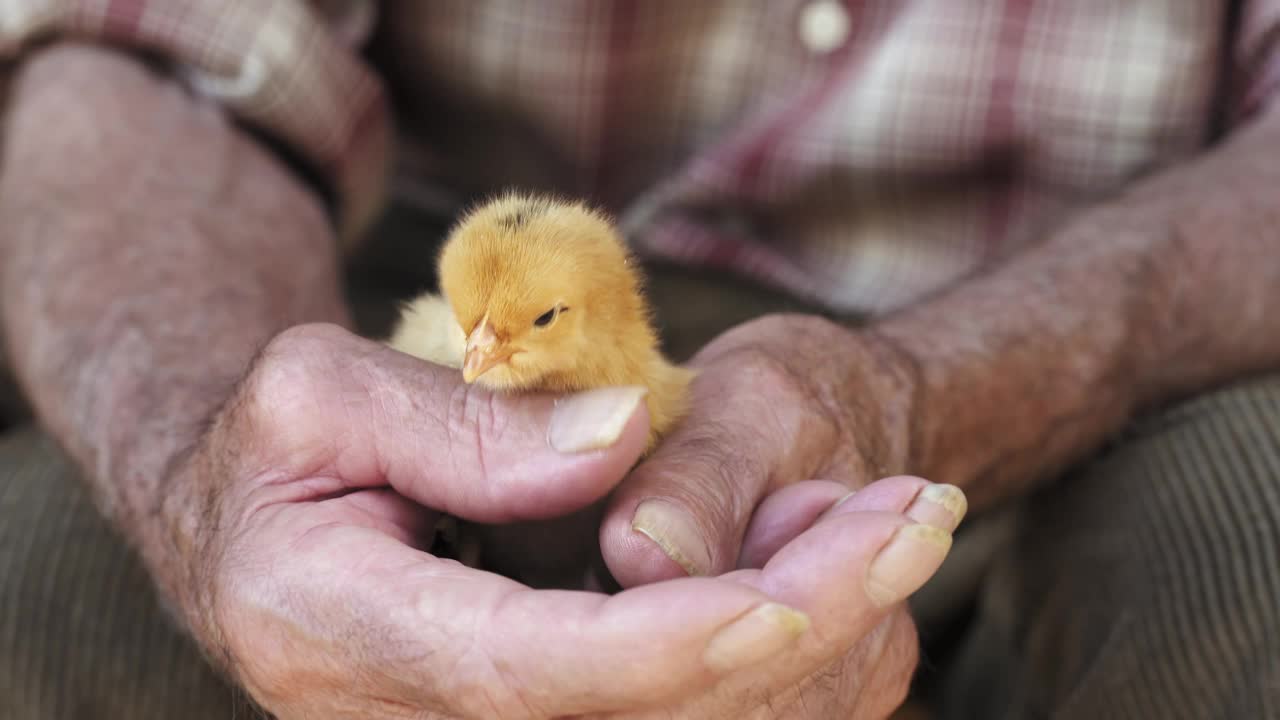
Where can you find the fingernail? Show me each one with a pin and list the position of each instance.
(760, 634)
(942, 506)
(831, 510)
(673, 529)
(910, 558)
(593, 419)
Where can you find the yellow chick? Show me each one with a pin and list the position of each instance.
(539, 294)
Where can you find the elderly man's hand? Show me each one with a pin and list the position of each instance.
(303, 513)
(790, 415)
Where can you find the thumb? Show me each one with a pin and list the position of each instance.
(685, 509)
(372, 416)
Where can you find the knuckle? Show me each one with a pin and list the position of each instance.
(763, 380)
(487, 416)
(759, 367)
(288, 366)
(793, 324)
(777, 405)
(274, 402)
(305, 338)
(725, 490)
(475, 421)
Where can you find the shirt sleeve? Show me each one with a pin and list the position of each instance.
(1257, 57)
(289, 68)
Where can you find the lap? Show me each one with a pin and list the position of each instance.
(81, 634)
(1146, 583)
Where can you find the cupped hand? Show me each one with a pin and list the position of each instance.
(304, 513)
(793, 418)
(789, 414)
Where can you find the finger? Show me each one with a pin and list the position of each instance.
(870, 680)
(409, 623)
(508, 651)
(684, 510)
(360, 411)
(847, 572)
(785, 514)
(942, 506)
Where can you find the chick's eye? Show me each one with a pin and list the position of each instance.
(545, 318)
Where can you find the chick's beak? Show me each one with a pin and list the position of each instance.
(482, 352)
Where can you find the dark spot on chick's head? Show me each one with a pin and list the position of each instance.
(516, 219)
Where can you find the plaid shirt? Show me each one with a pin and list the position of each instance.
(858, 153)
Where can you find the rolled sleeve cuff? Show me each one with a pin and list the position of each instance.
(285, 67)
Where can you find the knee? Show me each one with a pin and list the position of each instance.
(1189, 495)
(1157, 565)
(1208, 471)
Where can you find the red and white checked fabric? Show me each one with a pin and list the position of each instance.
(858, 153)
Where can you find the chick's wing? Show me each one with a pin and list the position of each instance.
(428, 330)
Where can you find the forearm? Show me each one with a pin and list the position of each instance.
(147, 250)
(1169, 288)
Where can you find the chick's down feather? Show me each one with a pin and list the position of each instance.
(428, 330)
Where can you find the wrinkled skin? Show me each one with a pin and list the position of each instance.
(318, 595)
(770, 409)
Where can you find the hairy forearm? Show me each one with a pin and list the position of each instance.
(1165, 290)
(147, 250)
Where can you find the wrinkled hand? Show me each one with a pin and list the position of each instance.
(303, 516)
(790, 415)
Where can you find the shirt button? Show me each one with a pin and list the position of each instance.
(824, 26)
